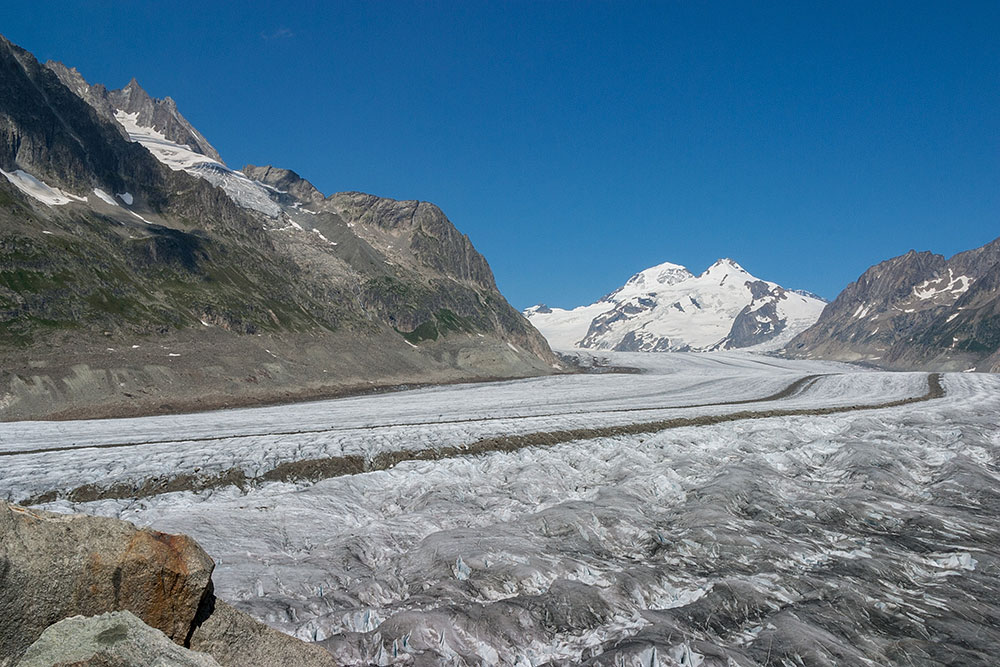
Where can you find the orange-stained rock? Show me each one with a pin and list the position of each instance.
(53, 566)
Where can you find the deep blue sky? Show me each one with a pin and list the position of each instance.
(577, 143)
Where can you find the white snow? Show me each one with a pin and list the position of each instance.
(564, 329)
(174, 155)
(126, 197)
(36, 189)
(668, 308)
(105, 197)
(651, 280)
(245, 192)
(953, 286)
(320, 234)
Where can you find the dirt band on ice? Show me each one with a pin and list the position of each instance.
(791, 390)
(313, 470)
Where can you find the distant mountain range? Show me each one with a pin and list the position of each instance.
(139, 273)
(668, 309)
(915, 311)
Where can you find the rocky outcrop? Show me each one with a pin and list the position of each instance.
(160, 115)
(429, 238)
(754, 326)
(115, 639)
(285, 182)
(915, 311)
(55, 566)
(763, 319)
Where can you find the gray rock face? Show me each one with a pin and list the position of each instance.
(161, 115)
(916, 311)
(53, 566)
(116, 639)
(633, 341)
(285, 182)
(429, 236)
(47, 129)
(755, 326)
(760, 320)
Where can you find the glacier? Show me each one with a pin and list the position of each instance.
(789, 535)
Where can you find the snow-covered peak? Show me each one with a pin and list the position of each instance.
(666, 308)
(727, 267)
(661, 274)
(650, 280)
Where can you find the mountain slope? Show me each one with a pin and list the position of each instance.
(915, 311)
(665, 309)
(139, 273)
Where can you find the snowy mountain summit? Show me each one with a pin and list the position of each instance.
(666, 308)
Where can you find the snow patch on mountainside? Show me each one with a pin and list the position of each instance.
(105, 197)
(953, 286)
(665, 308)
(650, 280)
(36, 189)
(245, 192)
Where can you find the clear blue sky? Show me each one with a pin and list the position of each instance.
(577, 143)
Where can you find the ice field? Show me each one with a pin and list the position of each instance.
(864, 536)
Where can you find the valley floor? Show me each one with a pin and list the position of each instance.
(716, 509)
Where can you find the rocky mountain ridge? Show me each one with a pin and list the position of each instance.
(139, 273)
(666, 308)
(916, 311)
(159, 115)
